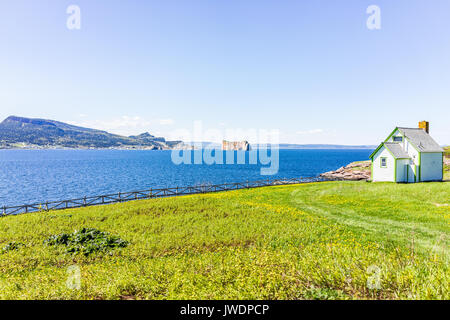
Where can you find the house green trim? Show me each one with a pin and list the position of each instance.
(420, 167)
(376, 150)
(407, 173)
(395, 170)
(390, 135)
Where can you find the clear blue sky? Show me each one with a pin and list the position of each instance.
(311, 69)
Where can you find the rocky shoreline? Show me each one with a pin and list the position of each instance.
(359, 170)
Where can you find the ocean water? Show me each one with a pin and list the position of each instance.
(34, 176)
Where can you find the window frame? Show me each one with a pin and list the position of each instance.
(397, 137)
(381, 162)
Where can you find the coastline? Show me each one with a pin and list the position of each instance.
(354, 171)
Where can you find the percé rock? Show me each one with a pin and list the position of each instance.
(235, 145)
(359, 170)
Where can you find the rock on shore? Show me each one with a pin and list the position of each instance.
(359, 170)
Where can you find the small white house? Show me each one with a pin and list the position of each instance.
(408, 155)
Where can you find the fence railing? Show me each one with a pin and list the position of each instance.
(148, 194)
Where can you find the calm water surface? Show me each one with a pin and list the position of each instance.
(33, 176)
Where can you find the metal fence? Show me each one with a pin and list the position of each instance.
(148, 194)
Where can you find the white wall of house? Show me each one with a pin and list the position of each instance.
(412, 152)
(431, 166)
(379, 173)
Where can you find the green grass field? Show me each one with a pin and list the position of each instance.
(331, 240)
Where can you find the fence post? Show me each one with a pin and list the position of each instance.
(84, 201)
(4, 211)
(46, 205)
(120, 199)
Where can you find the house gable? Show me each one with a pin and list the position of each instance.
(395, 133)
(395, 149)
(406, 143)
(383, 165)
(417, 137)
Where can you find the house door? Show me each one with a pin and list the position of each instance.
(410, 175)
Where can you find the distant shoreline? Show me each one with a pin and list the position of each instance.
(149, 149)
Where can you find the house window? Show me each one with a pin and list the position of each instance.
(398, 139)
(383, 162)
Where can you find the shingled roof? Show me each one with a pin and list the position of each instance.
(421, 139)
(396, 150)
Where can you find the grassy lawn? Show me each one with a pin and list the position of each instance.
(332, 240)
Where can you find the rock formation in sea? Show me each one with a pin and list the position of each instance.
(235, 145)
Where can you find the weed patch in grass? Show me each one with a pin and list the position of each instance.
(86, 241)
(11, 246)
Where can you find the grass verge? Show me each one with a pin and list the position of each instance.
(331, 240)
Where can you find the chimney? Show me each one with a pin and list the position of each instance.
(425, 125)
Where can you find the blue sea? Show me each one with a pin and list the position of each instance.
(35, 176)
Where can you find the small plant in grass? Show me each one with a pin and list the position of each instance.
(11, 246)
(86, 241)
(314, 293)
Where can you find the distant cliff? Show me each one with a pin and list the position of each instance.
(19, 132)
(235, 145)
